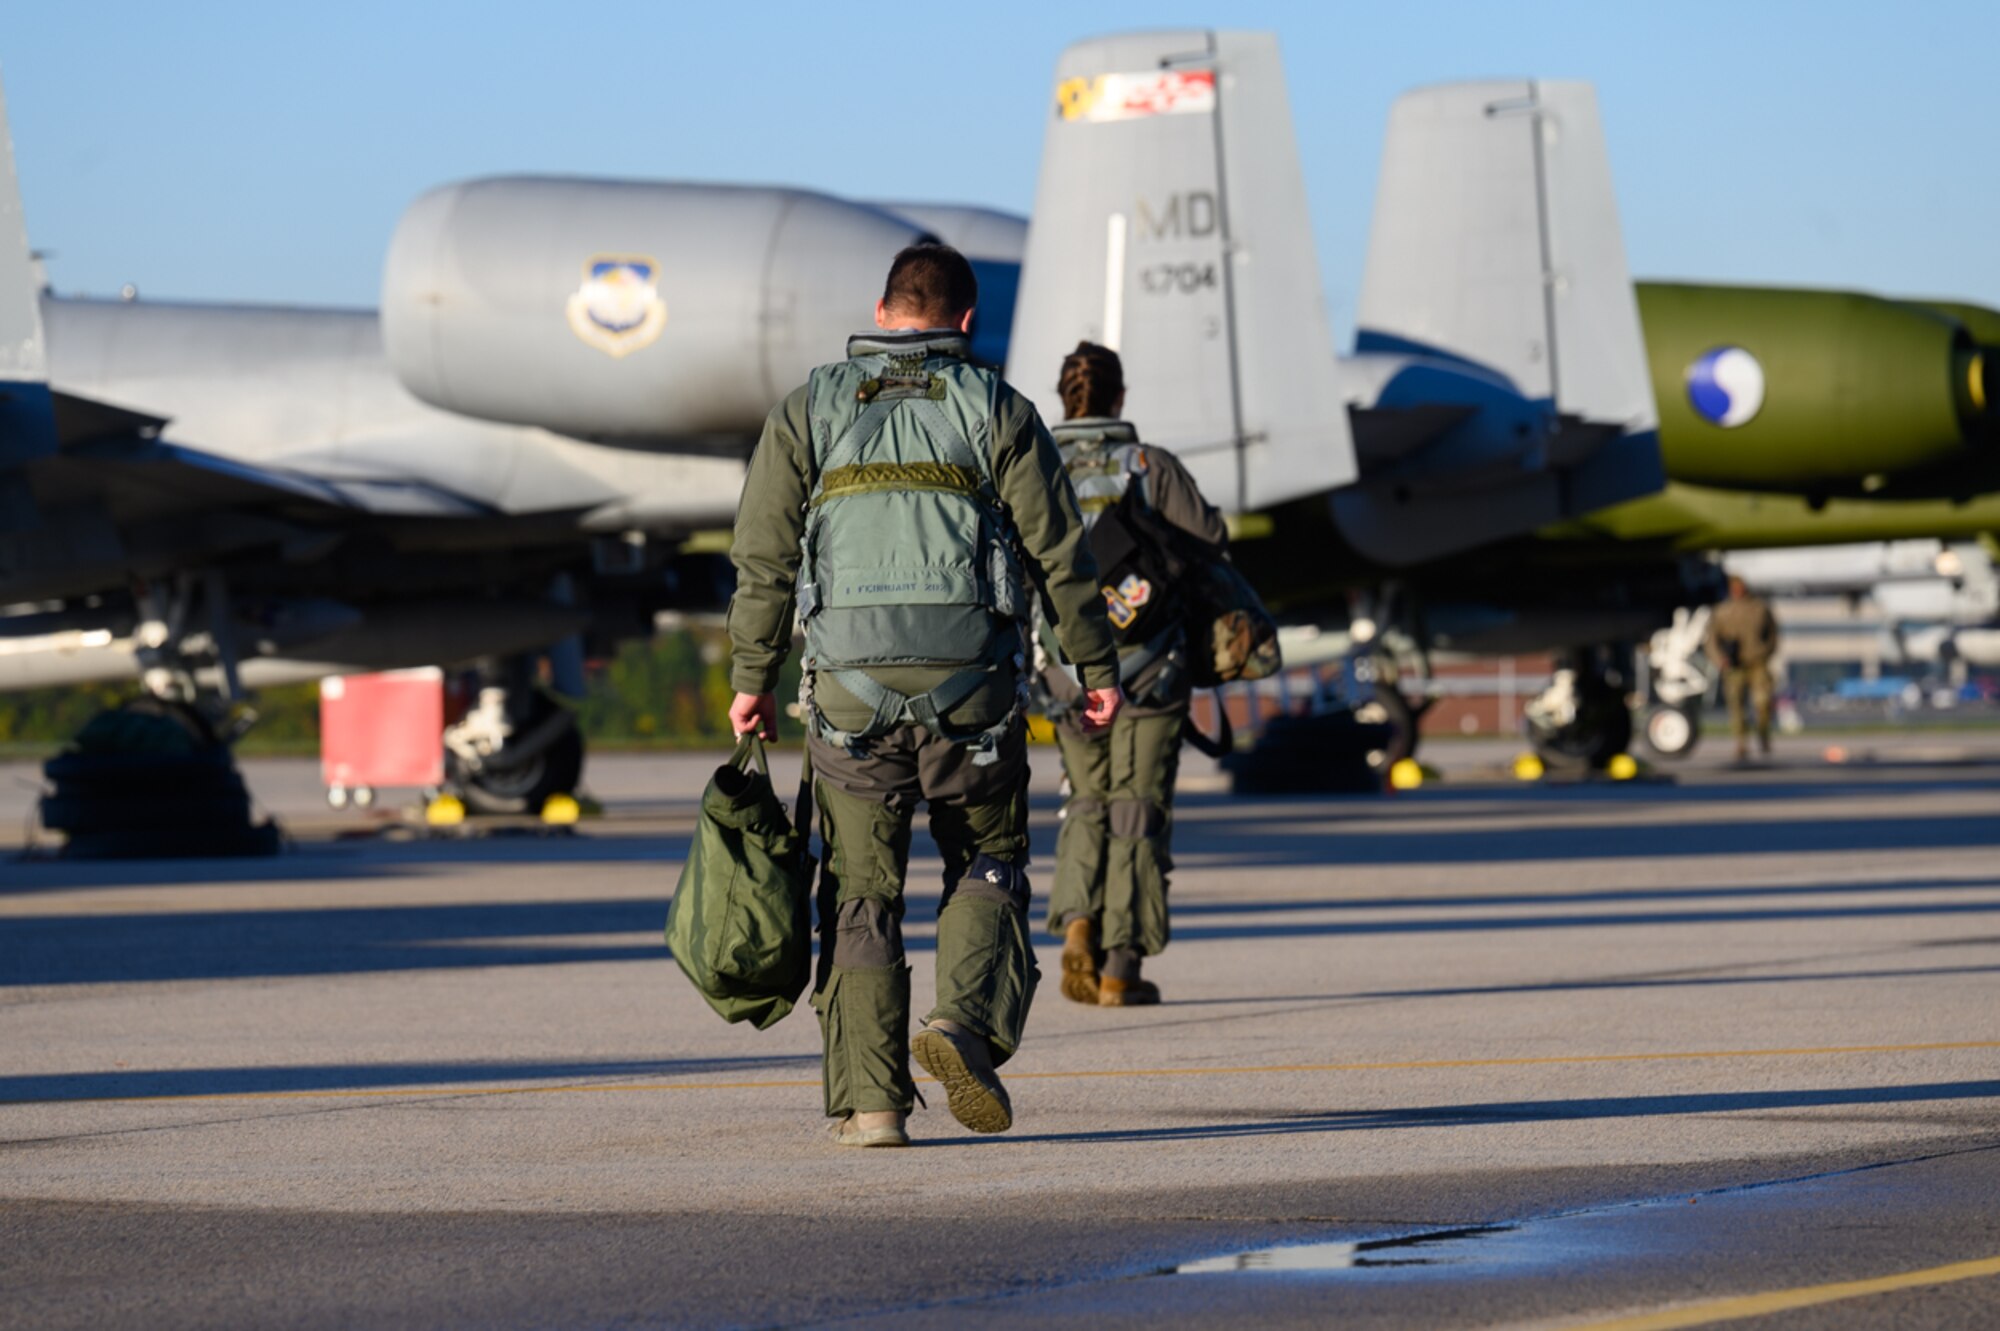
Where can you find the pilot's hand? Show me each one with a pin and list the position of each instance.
(1103, 706)
(755, 711)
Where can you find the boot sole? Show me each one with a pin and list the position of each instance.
(1079, 978)
(873, 1139)
(972, 1102)
(1144, 998)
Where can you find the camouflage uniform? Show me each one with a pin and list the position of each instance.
(1742, 639)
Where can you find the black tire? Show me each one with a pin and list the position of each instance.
(78, 814)
(176, 843)
(1672, 732)
(1325, 755)
(189, 718)
(146, 769)
(1388, 707)
(1602, 730)
(504, 787)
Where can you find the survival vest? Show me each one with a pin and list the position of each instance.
(909, 556)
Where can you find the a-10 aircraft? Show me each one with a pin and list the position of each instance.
(509, 460)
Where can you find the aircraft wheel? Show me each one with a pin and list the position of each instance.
(522, 784)
(151, 779)
(1601, 731)
(1672, 732)
(1388, 707)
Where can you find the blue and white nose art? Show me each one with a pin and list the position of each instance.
(1725, 386)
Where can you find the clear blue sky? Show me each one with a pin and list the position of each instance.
(264, 151)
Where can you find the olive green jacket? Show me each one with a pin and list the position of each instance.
(770, 526)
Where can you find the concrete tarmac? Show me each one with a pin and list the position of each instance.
(1484, 1054)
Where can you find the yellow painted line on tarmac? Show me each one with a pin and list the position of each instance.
(1783, 1300)
(1422, 1065)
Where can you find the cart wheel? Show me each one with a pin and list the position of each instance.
(364, 797)
(337, 796)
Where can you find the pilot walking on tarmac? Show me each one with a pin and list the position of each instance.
(1742, 639)
(1113, 856)
(897, 500)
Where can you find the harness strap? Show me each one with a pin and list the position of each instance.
(927, 709)
(857, 435)
(948, 434)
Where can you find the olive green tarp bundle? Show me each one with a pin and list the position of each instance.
(741, 923)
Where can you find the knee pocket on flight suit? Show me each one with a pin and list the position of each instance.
(867, 933)
(1137, 820)
(1084, 809)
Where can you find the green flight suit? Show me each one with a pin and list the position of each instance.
(978, 813)
(1114, 853)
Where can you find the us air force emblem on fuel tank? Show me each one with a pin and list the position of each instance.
(618, 308)
(1725, 386)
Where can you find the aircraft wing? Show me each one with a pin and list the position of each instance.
(154, 474)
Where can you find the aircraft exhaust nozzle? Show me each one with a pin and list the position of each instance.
(625, 311)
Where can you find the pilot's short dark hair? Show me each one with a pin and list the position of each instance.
(931, 282)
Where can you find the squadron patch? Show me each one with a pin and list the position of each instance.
(1133, 96)
(617, 308)
(1123, 603)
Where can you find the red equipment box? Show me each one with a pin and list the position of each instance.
(380, 730)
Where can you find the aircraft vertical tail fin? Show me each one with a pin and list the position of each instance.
(21, 355)
(1496, 248)
(1496, 240)
(1170, 224)
(27, 422)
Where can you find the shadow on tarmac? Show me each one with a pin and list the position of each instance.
(204, 945)
(1264, 843)
(1183, 909)
(1611, 982)
(1530, 1111)
(344, 860)
(141, 1084)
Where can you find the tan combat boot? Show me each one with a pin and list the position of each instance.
(1120, 985)
(875, 1128)
(960, 1060)
(1079, 962)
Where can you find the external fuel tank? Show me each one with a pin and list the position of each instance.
(1811, 391)
(633, 313)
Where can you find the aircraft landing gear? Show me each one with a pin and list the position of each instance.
(1582, 720)
(1395, 662)
(1678, 678)
(155, 777)
(515, 748)
(1670, 731)
(1354, 728)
